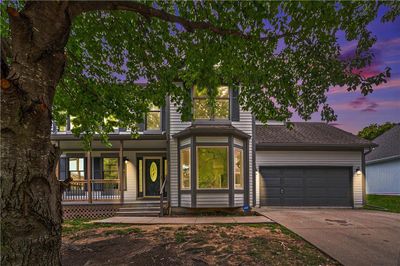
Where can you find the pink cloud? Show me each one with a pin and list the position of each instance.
(391, 84)
(363, 104)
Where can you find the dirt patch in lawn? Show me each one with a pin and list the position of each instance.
(258, 244)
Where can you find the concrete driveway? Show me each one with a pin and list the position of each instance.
(353, 237)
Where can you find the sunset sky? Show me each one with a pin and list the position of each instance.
(356, 111)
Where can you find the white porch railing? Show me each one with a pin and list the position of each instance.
(93, 190)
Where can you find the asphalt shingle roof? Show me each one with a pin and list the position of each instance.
(388, 145)
(307, 134)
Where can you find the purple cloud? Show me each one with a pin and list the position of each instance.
(364, 104)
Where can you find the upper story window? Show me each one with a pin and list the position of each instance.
(201, 106)
(153, 118)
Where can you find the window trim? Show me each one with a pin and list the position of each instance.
(190, 168)
(212, 115)
(197, 166)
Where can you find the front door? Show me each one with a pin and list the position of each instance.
(152, 177)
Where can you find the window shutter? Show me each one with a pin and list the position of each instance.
(53, 127)
(163, 118)
(63, 168)
(97, 169)
(97, 173)
(141, 127)
(235, 107)
(185, 105)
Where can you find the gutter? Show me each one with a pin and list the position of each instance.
(383, 159)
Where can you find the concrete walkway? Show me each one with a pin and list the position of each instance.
(187, 220)
(353, 237)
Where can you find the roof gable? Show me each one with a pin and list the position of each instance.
(388, 145)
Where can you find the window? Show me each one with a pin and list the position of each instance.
(212, 167)
(110, 168)
(238, 168)
(185, 168)
(140, 165)
(153, 118)
(201, 105)
(62, 128)
(77, 168)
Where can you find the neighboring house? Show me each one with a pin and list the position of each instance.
(220, 160)
(383, 164)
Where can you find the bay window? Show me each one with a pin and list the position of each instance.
(202, 107)
(212, 167)
(185, 168)
(238, 168)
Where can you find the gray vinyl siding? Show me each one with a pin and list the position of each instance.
(176, 125)
(383, 178)
(313, 158)
(210, 200)
(239, 200)
(246, 125)
(186, 200)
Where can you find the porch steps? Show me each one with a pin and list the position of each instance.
(139, 208)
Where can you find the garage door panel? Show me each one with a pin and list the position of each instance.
(306, 186)
(272, 181)
(293, 192)
(273, 191)
(316, 192)
(293, 181)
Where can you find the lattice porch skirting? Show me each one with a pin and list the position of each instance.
(89, 211)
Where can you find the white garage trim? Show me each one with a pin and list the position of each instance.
(313, 158)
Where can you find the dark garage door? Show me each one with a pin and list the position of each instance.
(306, 186)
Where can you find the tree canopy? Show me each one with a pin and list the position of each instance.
(284, 56)
(373, 131)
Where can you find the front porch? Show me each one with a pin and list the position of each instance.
(131, 174)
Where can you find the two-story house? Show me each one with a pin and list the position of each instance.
(219, 159)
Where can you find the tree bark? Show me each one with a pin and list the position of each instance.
(31, 212)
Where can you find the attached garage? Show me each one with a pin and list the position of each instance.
(312, 164)
(306, 186)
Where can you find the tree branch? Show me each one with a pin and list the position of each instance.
(77, 7)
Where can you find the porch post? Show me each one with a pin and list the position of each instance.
(89, 175)
(121, 170)
(58, 163)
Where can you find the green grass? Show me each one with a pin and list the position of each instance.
(180, 237)
(77, 225)
(384, 202)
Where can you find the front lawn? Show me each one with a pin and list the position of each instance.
(226, 244)
(384, 202)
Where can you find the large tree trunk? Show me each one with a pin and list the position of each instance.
(31, 213)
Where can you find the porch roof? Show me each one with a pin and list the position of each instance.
(211, 130)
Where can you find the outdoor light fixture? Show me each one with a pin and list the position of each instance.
(126, 160)
(358, 171)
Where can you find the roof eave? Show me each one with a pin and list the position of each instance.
(310, 146)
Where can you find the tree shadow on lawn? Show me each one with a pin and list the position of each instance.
(226, 244)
